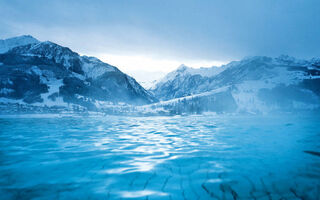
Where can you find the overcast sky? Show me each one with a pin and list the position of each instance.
(159, 35)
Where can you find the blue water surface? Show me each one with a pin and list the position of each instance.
(182, 157)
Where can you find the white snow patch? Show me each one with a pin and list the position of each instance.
(93, 67)
(54, 86)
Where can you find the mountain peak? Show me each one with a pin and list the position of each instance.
(26, 37)
(7, 44)
(46, 48)
(182, 67)
(21, 40)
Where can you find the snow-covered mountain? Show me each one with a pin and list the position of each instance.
(179, 82)
(47, 74)
(184, 71)
(7, 44)
(255, 84)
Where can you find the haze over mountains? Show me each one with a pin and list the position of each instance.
(46, 77)
(256, 84)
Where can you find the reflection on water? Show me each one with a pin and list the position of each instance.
(195, 157)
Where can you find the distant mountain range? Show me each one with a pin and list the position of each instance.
(46, 77)
(256, 84)
(34, 73)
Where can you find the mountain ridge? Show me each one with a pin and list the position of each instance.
(256, 84)
(44, 75)
(7, 44)
(39, 73)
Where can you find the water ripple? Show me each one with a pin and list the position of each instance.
(195, 157)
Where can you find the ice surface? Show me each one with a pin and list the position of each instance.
(193, 157)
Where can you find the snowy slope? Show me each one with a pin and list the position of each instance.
(184, 71)
(7, 44)
(256, 84)
(180, 82)
(47, 74)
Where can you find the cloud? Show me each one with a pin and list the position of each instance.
(190, 30)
